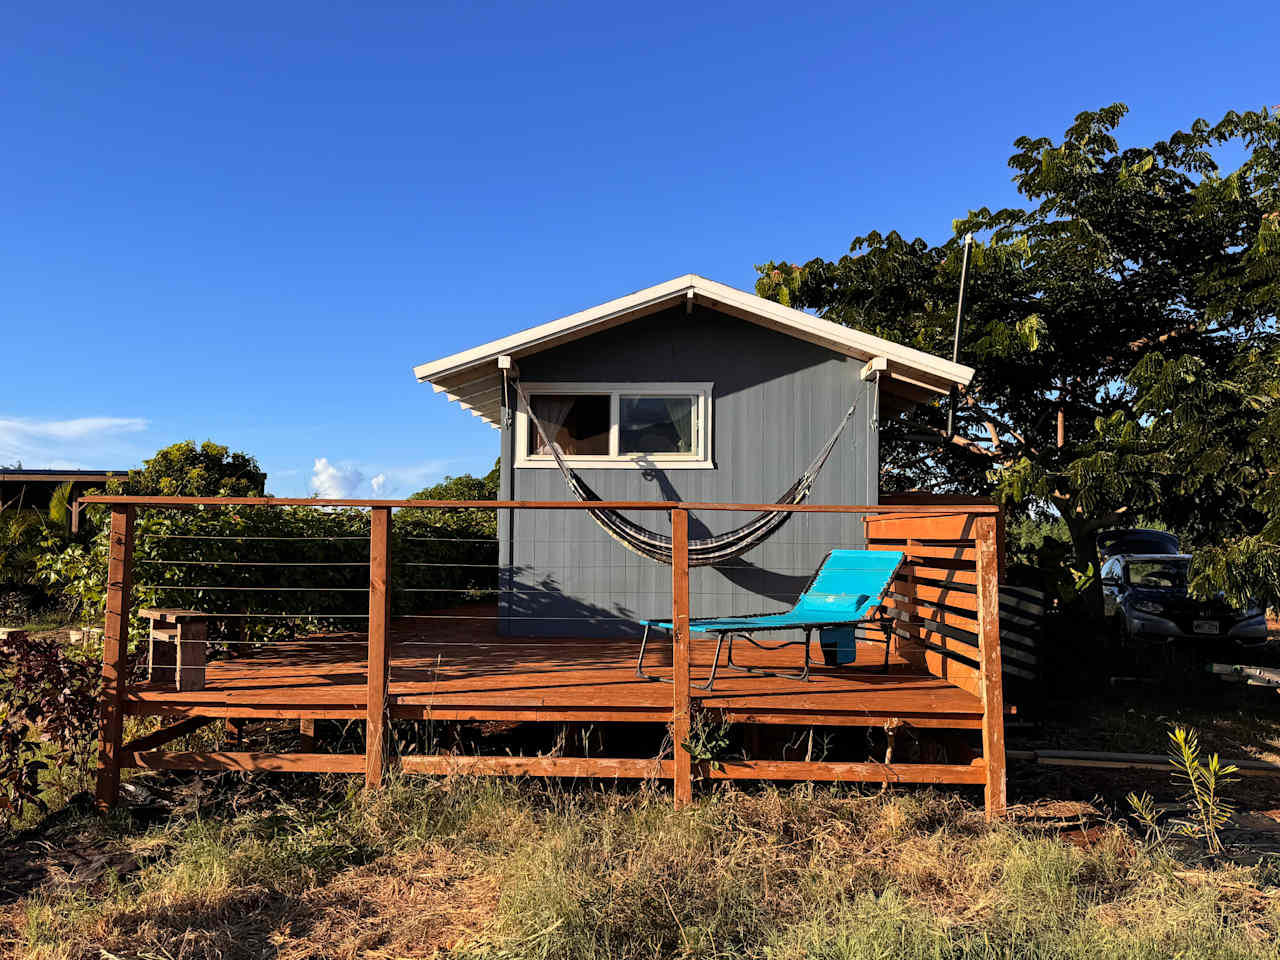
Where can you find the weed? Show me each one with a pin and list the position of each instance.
(708, 739)
(1204, 781)
(1144, 811)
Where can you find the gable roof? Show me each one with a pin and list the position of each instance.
(472, 378)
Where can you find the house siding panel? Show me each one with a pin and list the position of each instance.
(776, 400)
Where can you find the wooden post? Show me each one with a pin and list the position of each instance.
(307, 735)
(988, 564)
(681, 706)
(115, 655)
(192, 654)
(375, 740)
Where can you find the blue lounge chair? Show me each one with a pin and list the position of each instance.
(847, 590)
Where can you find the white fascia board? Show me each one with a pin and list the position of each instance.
(862, 345)
(565, 327)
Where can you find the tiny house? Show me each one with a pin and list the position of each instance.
(715, 405)
(691, 391)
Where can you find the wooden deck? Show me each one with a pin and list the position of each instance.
(462, 670)
(946, 670)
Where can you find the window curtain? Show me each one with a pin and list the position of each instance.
(552, 412)
(680, 410)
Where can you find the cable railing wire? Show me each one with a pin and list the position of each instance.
(176, 586)
(232, 536)
(446, 565)
(258, 563)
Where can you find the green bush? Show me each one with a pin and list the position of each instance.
(48, 714)
(260, 562)
(283, 560)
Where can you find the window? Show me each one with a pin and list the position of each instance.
(655, 424)
(1158, 574)
(627, 425)
(579, 425)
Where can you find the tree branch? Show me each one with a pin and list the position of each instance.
(969, 400)
(964, 443)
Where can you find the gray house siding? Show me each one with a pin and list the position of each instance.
(776, 400)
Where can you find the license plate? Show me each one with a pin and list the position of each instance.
(1205, 626)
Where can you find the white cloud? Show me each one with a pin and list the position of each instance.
(76, 429)
(93, 442)
(334, 482)
(347, 479)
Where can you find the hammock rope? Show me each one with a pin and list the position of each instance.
(703, 552)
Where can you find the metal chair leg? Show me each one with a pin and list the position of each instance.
(888, 633)
(644, 640)
(730, 665)
(715, 662)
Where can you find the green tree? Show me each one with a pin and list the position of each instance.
(187, 470)
(1124, 258)
(1213, 444)
(464, 487)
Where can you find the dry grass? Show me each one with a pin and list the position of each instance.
(403, 905)
(463, 869)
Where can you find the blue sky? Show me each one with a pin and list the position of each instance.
(247, 222)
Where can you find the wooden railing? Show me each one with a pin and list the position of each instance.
(945, 603)
(950, 584)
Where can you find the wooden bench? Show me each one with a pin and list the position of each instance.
(176, 647)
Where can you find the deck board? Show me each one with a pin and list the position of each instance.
(461, 669)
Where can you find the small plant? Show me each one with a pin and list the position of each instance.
(1144, 811)
(708, 739)
(1267, 871)
(1204, 781)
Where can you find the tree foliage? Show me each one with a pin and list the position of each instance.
(1128, 270)
(187, 470)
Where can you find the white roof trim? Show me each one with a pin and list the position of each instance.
(470, 372)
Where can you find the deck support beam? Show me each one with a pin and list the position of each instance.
(306, 735)
(987, 562)
(165, 735)
(247, 761)
(375, 743)
(681, 712)
(115, 655)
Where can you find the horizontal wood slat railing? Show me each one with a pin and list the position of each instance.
(945, 607)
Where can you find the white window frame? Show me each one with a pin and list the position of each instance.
(698, 459)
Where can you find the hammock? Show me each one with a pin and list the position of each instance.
(709, 550)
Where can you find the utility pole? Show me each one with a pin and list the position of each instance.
(955, 344)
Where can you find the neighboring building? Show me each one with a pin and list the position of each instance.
(693, 391)
(34, 488)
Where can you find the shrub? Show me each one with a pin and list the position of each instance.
(48, 713)
(297, 560)
(25, 534)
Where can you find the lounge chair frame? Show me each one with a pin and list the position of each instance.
(876, 616)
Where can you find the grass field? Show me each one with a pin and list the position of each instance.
(459, 868)
(307, 867)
